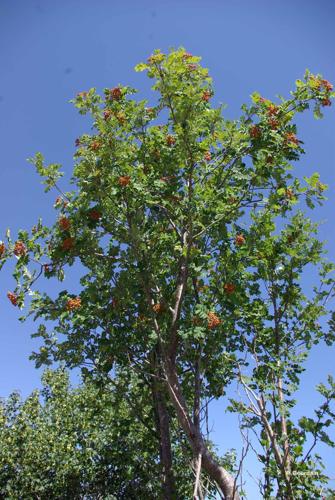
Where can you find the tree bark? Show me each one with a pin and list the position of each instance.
(163, 431)
(216, 472)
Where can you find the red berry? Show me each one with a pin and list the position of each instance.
(107, 114)
(64, 223)
(2, 250)
(327, 85)
(20, 248)
(291, 137)
(95, 215)
(326, 102)
(213, 320)
(229, 288)
(206, 96)
(170, 140)
(95, 145)
(273, 123)
(289, 194)
(13, 298)
(68, 243)
(272, 110)
(157, 308)
(255, 132)
(116, 93)
(240, 240)
(73, 304)
(124, 180)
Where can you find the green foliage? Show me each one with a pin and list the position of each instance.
(192, 238)
(85, 442)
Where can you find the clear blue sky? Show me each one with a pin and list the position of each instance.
(50, 50)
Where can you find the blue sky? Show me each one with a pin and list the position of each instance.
(52, 50)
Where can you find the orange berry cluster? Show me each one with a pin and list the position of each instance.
(213, 320)
(59, 201)
(170, 140)
(255, 132)
(124, 180)
(107, 114)
(289, 194)
(291, 137)
(272, 110)
(2, 250)
(326, 102)
(326, 84)
(239, 240)
(157, 308)
(95, 215)
(115, 93)
(73, 304)
(187, 55)
(273, 123)
(13, 298)
(206, 96)
(229, 288)
(20, 248)
(95, 145)
(64, 223)
(68, 244)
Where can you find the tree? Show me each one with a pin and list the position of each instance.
(191, 244)
(65, 443)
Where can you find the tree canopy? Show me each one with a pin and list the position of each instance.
(190, 233)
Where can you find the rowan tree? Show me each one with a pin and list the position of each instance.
(191, 233)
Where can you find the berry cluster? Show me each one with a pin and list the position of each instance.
(73, 304)
(187, 55)
(291, 137)
(239, 240)
(13, 298)
(68, 244)
(229, 288)
(170, 140)
(157, 308)
(20, 249)
(95, 145)
(213, 320)
(94, 214)
(206, 96)
(255, 132)
(107, 114)
(64, 223)
(59, 201)
(124, 180)
(115, 93)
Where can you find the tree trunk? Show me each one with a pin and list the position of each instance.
(163, 431)
(216, 472)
